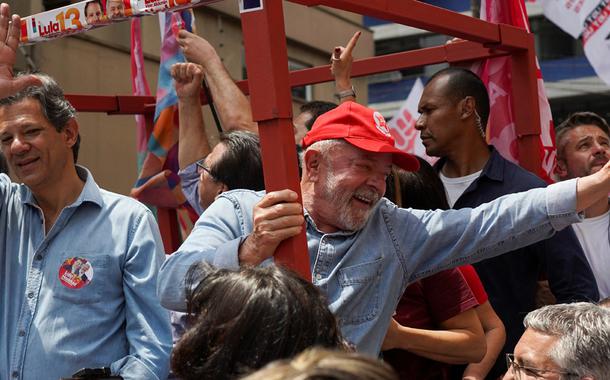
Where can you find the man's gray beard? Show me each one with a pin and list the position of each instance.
(347, 219)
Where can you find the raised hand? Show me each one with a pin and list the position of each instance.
(9, 40)
(341, 63)
(187, 78)
(278, 216)
(197, 50)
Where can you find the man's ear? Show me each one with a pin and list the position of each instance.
(222, 189)
(468, 105)
(313, 158)
(70, 132)
(561, 169)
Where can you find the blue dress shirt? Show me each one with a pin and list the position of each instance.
(364, 273)
(49, 329)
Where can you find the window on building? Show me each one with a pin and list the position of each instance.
(302, 93)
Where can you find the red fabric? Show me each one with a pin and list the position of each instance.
(473, 280)
(362, 127)
(425, 305)
(496, 74)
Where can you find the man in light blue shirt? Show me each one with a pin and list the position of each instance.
(79, 264)
(363, 249)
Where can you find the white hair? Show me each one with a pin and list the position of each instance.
(583, 332)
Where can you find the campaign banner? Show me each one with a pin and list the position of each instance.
(596, 39)
(90, 14)
(569, 15)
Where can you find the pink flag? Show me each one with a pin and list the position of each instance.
(139, 86)
(496, 73)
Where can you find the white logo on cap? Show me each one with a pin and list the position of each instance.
(380, 124)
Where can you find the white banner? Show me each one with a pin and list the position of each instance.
(589, 20)
(89, 14)
(402, 124)
(569, 15)
(596, 39)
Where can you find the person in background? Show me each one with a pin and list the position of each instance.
(424, 190)
(583, 148)
(563, 341)
(454, 110)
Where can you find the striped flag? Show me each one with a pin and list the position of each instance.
(158, 183)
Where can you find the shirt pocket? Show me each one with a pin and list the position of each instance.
(92, 291)
(360, 292)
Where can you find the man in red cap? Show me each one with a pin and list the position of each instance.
(363, 249)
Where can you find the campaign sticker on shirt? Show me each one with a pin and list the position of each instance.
(75, 272)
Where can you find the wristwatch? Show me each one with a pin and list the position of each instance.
(345, 93)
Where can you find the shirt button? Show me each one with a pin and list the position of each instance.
(318, 277)
(15, 374)
(31, 295)
(21, 333)
(38, 257)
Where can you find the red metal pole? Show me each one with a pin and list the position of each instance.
(267, 65)
(526, 108)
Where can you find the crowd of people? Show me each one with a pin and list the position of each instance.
(418, 271)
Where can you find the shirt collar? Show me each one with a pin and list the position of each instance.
(493, 169)
(90, 193)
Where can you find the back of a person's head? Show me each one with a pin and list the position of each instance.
(242, 320)
(321, 364)
(316, 108)
(241, 165)
(583, 332)
(421, 190)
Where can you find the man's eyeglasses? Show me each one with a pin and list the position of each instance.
(202, 167)
(521, 372)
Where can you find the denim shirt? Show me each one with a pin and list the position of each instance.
(364, 273)
(51, 327)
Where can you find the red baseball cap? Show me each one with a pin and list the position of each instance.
(362, 127)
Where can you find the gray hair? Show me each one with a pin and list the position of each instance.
(54, 105)
(583, 332)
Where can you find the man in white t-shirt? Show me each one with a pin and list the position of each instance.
(454, 110)
(583, 147)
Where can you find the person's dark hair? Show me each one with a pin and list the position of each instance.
(53, 104)
(463, 83)
(241, 166)
(576, 120)
(3, 164)
(93, 2)
(316, 108)
(241, 320)
(421, 190)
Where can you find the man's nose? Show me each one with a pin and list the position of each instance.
(19, 146)
(420, 123)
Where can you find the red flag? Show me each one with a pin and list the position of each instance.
(496, 73)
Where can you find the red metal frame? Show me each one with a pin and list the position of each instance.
(270, 82)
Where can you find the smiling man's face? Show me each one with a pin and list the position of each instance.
(35, 150)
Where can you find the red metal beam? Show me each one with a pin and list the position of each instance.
(458, 52)
(419, 15)
(266, 57)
